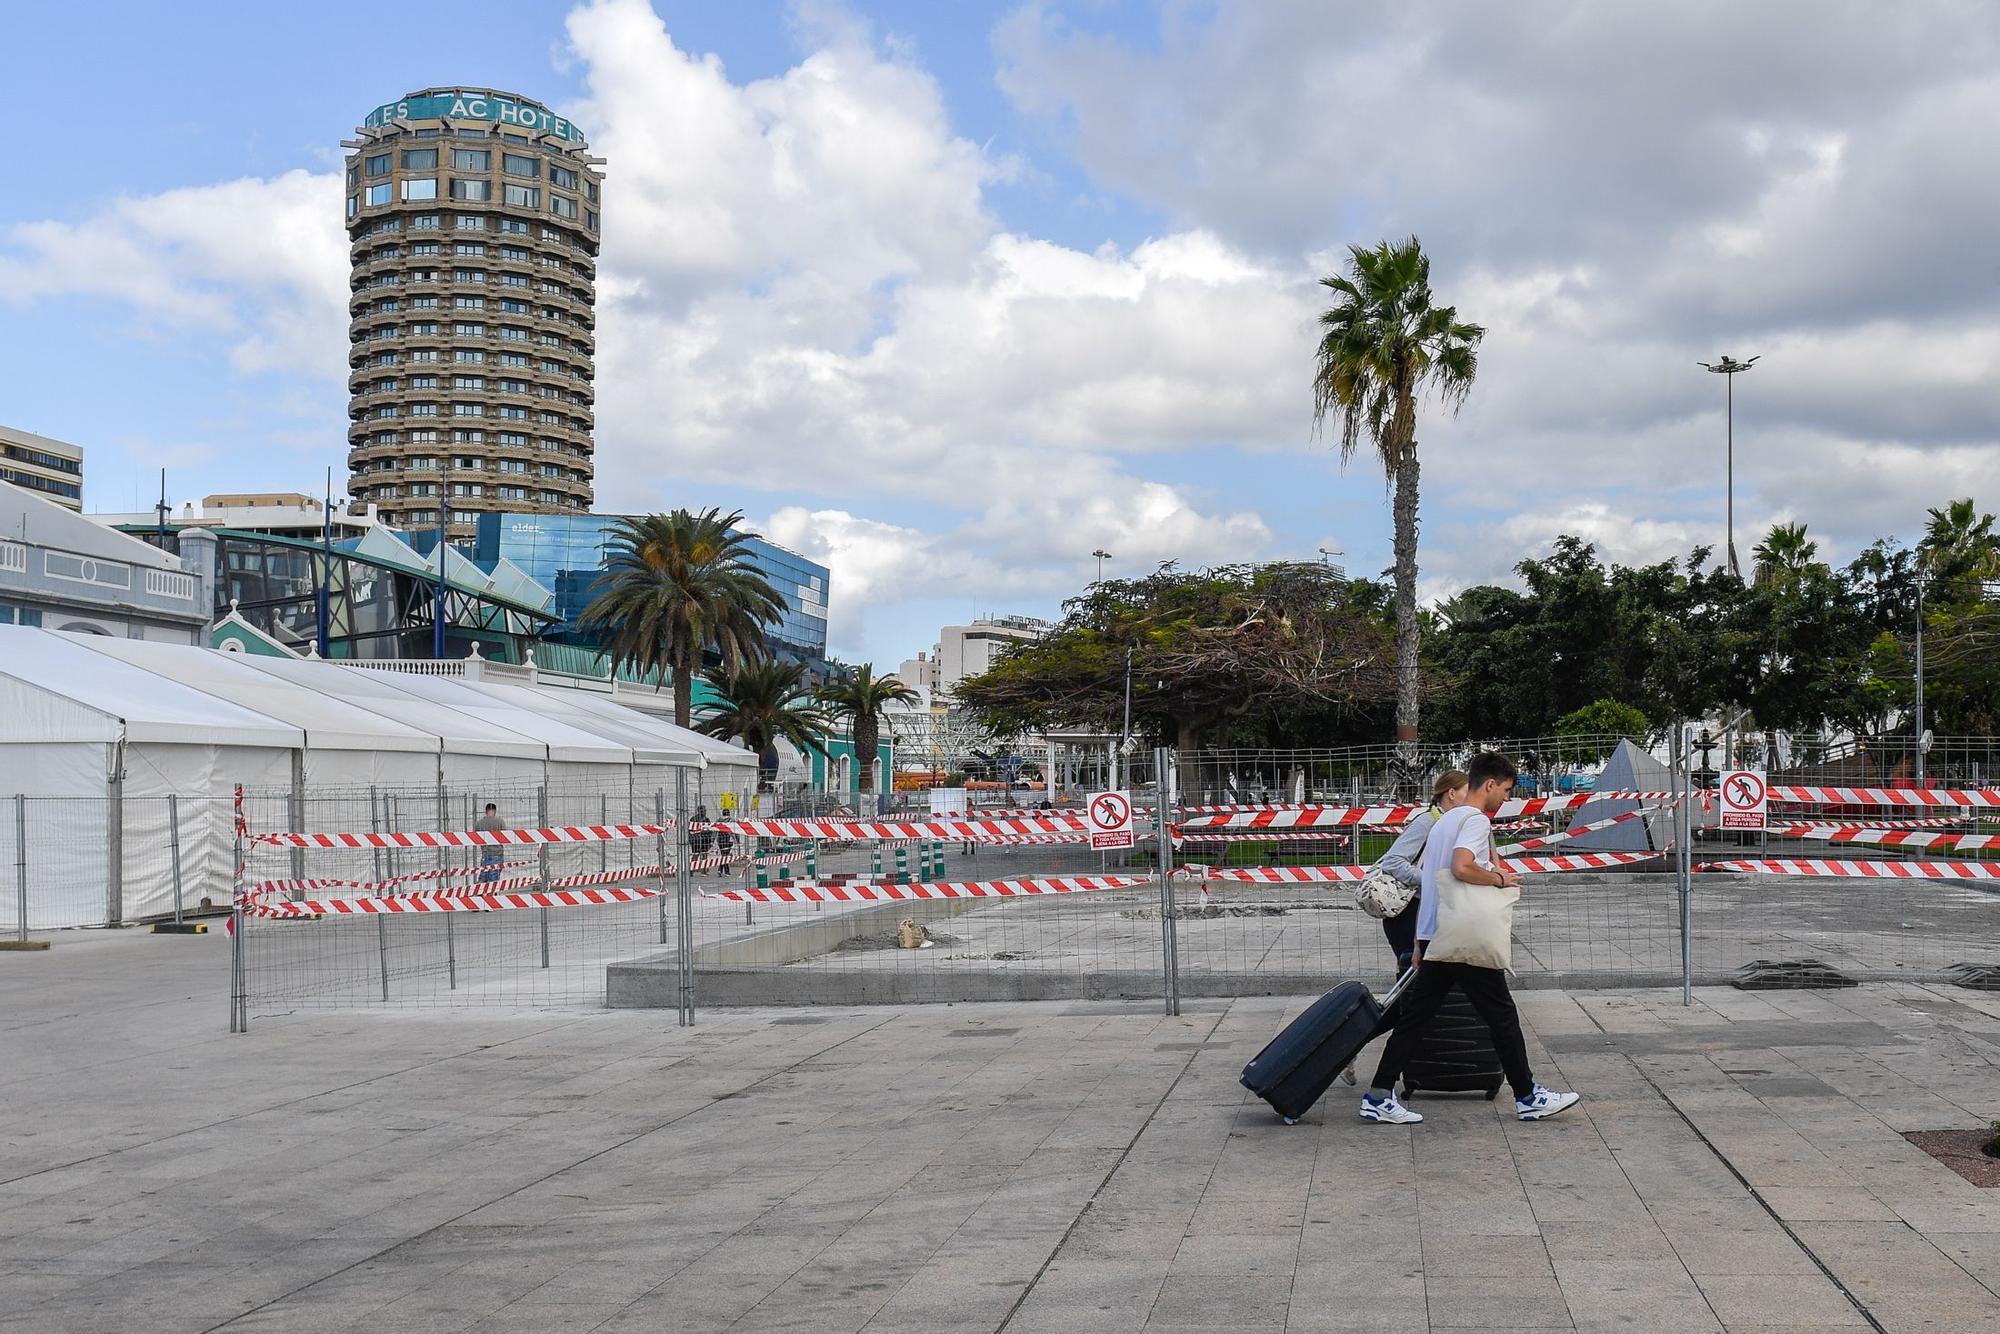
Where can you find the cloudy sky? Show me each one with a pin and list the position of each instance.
(948, 296)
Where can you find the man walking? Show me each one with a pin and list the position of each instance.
(1459, 854)
(490, 854)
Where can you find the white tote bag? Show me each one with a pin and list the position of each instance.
(1475, 923)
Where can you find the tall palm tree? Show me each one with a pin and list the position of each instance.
(860, 696)
(1958, 542)
(676, 586)
(1385, 344)
(1785, 554)
(762, 704)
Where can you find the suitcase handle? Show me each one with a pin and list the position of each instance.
(1389, 997)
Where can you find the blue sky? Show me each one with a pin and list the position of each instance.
(950, 295)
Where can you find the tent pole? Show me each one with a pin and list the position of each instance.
(114, 879)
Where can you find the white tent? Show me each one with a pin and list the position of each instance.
(99, 744)
(739, 766)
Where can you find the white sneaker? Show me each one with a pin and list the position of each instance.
(1544, 1103)
(1387, 1110)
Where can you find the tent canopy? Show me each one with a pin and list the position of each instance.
(647, 746)
(65, 692)
(564, 742)
(713, 752)
(461, 733)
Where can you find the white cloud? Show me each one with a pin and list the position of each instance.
(262, 262)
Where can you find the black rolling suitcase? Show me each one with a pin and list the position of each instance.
(1297, 1066)
(1456, 1054)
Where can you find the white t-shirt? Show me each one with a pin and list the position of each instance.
(1466, 827)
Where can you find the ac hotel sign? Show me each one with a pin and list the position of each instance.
(475, 106)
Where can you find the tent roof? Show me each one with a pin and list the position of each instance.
(461, 733)
(648, 745)
(329, 723)
(623, 716)
(151, 707)
(564, 742)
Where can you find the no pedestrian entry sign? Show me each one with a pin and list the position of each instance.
(1109, 815)
(1745, 800)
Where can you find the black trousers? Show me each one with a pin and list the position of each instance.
(1402, 933)
(1486, 988)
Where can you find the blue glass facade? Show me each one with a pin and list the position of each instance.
(565, 553)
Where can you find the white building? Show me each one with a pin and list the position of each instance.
(60, 571)
(47, 467)
(280, 513)
(966, 650)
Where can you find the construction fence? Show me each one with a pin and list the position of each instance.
(697, 894)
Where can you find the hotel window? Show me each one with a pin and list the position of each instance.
(426, 248)
(515, 280)
(423, 409)
(514, 414)
(421, 187)
(467, 354)
(590, 192)
(551, 391)
(378, 165)
(471, 159)
(514, 252)
(523, 196)
(421, 328)
(513, 359)
(469, 248)
(465, 437)
(562, 205)
(513, 335)
(513, 386)
(518, 164)
(468, 409)
(513, 307)
(423, 463)
(468, 222)
(513, 493)
(423, 382)
(423, 488)
(353, 205)
(474, 191)
(590, 218)
(468, 382)
(551, 498)
(469, 330)
(469, 302)
(378, 195)
(514, 226)
(519, 441)
(423, 437)
(562, 176)
(423, 303)
(428, 222)
(468, 488)
(420, 159)
(389, 410)
(467, 463)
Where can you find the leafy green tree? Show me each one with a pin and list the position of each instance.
(676, 587)
(1593, 731)
(1386, 343)
(860, 696)
(762, 704)
(1212, 651)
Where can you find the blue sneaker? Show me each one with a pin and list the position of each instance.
(1544, 1103)
(1387, 1110)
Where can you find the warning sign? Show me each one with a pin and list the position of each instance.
(1109, 815)
(1745, 800)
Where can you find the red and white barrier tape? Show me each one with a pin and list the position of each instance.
(933, 889)
(1891, 838)
(1860, 869)
(1885, 796)
(431, 903)
(841, 831)
(1258, 835)
(524, 882)
(1320, 875)
(1309, 817)
(1528, 844)
(469, 838)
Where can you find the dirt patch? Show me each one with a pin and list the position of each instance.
(886, 940)
(1963, 1151)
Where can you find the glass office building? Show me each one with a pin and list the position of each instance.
(565, 552)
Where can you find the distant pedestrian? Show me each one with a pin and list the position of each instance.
(491, 855)
(700, 837)
(1470, 925)
(725, 846)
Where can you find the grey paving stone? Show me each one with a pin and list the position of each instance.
(1810, 1301)
(1517, 1300)
(1221, 1303)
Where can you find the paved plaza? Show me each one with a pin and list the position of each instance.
(1039, 1167)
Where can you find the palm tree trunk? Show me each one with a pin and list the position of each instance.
(867, 734)
(1407, 664)
(683, 694)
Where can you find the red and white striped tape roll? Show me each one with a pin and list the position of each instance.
(1885, 796)
(469, 838)
(840, 831)
(1891, 838)
(1860, 869)
(933, 889)
(1320, 875)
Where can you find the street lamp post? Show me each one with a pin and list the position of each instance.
(1102, 556)
(437, 617)
(1729, 368)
